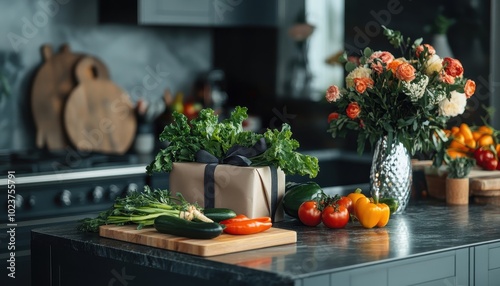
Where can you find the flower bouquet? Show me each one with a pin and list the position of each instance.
(401, 104)
(406, 99)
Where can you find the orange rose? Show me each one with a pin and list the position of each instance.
(353, 110)
(446, 78)
(362, 83)
(430, 50)
(405, 72)
(470, 88)
(393, 66)
(333, 116)
(332, 94)
(453, 67)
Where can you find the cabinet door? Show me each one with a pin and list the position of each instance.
(214, 13)
(487, 265)
(176, 12)
(245, 13)
(448, 268)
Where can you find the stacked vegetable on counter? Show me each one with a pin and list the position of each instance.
(477, 142)
(174, 215)
(311, 206)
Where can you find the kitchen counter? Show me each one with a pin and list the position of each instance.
(449, 243)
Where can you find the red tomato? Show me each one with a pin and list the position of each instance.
(483, 156)
(335, 216)
(490, 164)
(346, 202)
(309, 214)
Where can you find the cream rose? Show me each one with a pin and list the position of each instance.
(359, 72)
(453, 106)
(434, 64)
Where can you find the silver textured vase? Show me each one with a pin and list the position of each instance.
(391, 174)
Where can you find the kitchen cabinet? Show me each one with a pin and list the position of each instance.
(434, 269)
(487, 264)
(430, 244)
(223, 13)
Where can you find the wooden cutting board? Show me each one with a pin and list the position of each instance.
(99, 116)
(223, 244)
(52, 84)
(489, 182)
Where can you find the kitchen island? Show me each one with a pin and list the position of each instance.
(430, 244)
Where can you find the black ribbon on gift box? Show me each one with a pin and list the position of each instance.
(238, 156)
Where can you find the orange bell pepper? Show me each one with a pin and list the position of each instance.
(485, 130)
(453, 153)
(355, 196)
(465, 131)
(485, 140)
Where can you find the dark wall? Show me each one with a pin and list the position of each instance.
(468, 37)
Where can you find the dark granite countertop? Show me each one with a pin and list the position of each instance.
(426, 227)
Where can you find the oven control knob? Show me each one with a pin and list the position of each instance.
(114, 192)
(31, 201)
(65, 198)
(132, 187)
(19, 201)
(97, 194)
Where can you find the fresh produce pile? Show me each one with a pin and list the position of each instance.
(174, 215)
(478, 142)
(216, 137)
(310, 205)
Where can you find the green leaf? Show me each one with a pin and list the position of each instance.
(350, 66)
(367, 52)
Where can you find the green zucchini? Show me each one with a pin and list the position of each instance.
(297, 193)
(219, 214)
(391, 202)
(185, 228)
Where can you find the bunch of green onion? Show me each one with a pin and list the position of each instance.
(142, 208)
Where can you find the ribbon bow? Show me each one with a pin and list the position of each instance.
(236, 155)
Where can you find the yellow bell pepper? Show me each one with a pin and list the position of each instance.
(371, 214)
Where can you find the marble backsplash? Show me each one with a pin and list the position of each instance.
(174, 55)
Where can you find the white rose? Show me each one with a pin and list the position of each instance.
(453, 106)
(434, 64)
(359, 72)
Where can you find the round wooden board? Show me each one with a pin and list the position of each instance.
(99, 116)
(52, 84)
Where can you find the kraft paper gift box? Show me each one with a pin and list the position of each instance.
(246, 190)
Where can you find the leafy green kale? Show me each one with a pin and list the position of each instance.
(217, 137)
(281, 152)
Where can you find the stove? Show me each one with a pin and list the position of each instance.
(55, 184)
(48, 188)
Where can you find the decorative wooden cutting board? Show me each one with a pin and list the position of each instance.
(223, 244)
(99, 115)
(52, 84)
(486, 183)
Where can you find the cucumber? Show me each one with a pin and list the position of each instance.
(219, 214)
(391, 202)
(297, 193)
(185, 228)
